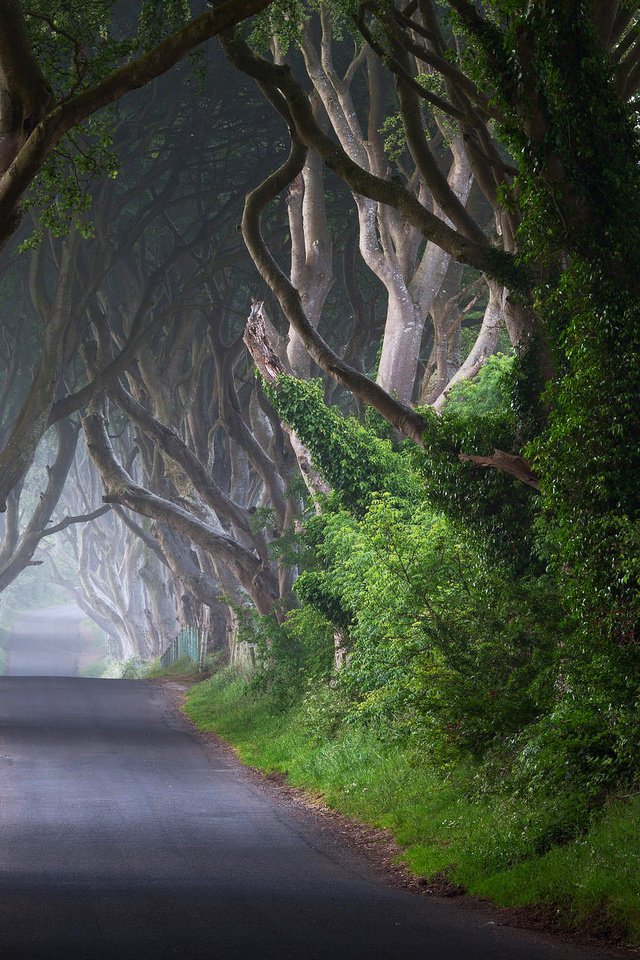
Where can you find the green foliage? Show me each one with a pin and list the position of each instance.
(459, 640)
(356, 463)
(581, 228)
(282, 20)
(488, 394)
(496, 844)
(442, 638)
(394, 136)
(589, 742)
(184, 667)
(157, 18)
(494, 508)
(288, 654)
(577, 195)
(133, 669)
(440, 642)
(61, 196)
(589, 456)
(102, 667)
(77, 46)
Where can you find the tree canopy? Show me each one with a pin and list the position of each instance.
(334, 328)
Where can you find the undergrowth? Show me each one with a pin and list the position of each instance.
(185, 668)
(449, 820)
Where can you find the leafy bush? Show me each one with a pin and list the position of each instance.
(432, 573)
(288, 654)
(439, 640)
(133, 669)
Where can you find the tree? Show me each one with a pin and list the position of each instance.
(33, 121)
(560, 90)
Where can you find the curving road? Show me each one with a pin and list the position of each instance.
(123, 835)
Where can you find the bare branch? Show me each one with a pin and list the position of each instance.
(271, 368)
(52, 128)
(68, 521)
(399, 414)
(495, 263)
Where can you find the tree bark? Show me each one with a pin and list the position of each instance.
(495, 263)
(484, 346)
(270, 368)
(36, 528)
(121, 489)
(510, 463)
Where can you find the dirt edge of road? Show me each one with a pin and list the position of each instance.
(381, 851)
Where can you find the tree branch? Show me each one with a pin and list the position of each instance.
(179, 452)
(68, 521)
(271, 368)
(121, 489)
(406, 420)
(492, 261)
(510, 463)
(52, 128)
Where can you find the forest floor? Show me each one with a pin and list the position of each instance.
(425, 836)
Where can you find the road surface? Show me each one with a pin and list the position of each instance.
(48, 642)
(123, 835)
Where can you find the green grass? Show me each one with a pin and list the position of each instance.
(597, 875)
(183, 668)
(486, 842)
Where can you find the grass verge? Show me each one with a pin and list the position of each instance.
(184, 668)
(486, 843)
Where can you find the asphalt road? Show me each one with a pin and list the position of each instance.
(124, 835)
(47, 642)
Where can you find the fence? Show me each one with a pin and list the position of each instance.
(190, 642)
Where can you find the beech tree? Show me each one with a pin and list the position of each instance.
(149, 292)
(530, 81)
(132, 598)
(37, 111)
(485, 201)
(35, 116)
(471, 120)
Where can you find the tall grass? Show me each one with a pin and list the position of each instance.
(487, 842)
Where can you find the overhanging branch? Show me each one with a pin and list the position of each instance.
(510, 463)
(494, 262)
(68, 521)
(52, 128)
